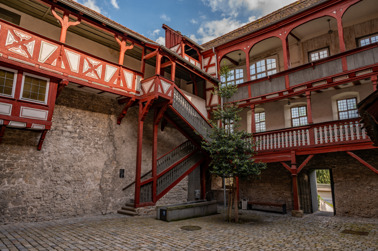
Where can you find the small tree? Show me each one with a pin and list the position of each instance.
(231, 149)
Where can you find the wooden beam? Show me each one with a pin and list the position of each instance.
(41, 139)
(363, 162)
(304, 163)
(151, 55)
(166, 64)
(129, 103)
(295, 37)
(236, 63)
(2, 131)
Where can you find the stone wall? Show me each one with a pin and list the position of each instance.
(355, 185)
(274, 185)
(77, 171)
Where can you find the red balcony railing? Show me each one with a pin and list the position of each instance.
(18, 45)
(328, 133)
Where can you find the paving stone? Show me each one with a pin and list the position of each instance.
(259, 231)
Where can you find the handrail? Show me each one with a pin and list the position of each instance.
(161, 160)
(305, 126)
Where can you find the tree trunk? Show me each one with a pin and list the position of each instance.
(236, 206)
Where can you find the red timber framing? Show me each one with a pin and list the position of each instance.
(363, 162)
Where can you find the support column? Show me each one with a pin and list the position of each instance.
(374, 81)
(286, 55)
(340, 32)
(294, 174)
(158, 63)
(309, 108)
(253, 122)
(154, 156)
(139, 155)
(247, 66)
(173, 71)
(203, 179)
(65, 24)
(123, 48)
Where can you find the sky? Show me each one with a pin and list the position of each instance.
(201, 20)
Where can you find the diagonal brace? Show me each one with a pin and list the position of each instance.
(129, 103)
(363, 162)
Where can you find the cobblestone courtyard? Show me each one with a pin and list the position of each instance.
(260, 231)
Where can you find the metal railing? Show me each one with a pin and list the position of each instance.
(190, 114)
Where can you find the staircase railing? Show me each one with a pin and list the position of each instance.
(168, 160)
(169, 177)
(186, 109)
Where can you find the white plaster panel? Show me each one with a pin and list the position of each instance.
(5, 108)
(17, 124)
(37, 127)
(33, 113)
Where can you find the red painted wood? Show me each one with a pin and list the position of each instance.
(154, 155)
(123, 48)
(309, 107)
(2, 131)
(41, 140)
(305, 163)
(295, 191)
(65, 24)
(363, 162)
(129, 103)
(139, 155)
(179, 179)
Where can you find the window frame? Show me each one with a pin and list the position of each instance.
(14, 82)
(45, 102)
(338, 110)
(364, 37)
(299, 117)
(317, 51)
(258, 123)
(234, 79)
(266, 70)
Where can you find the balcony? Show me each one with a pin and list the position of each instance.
(28, 50)
(331, 133)
(344, 67)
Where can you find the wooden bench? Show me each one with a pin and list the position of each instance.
(267, 206)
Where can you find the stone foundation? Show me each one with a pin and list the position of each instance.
(77, 171)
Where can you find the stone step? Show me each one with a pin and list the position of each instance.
(129, 208)
(127, 212)
(129, 204)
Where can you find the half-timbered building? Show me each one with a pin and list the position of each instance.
(93, 114)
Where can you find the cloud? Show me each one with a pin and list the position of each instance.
(90, 4)
(155, 32)
(193, 21)
(235, 7)
(114, 3)
(215, 28)
(165, 18)
(160, 40)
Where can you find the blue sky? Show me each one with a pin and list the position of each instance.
(201, 20)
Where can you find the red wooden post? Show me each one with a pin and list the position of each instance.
(123, 48)
(139, 155)
(374, 81)
(65, 25)
(43, 135)
(293, 171)
(253, 122)
(154, 156)
(309, 108)
(2, 131)
(286, 55)
(158, 64)
(173, 71)
(340, 32)
(247, 65)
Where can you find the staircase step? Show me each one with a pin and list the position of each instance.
(130, 204)
(129, 208)
(127, 212)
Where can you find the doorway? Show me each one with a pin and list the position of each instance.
(322, 191)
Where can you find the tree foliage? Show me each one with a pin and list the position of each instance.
(323, 176)
(231, 149)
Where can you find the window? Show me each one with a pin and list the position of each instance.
(263, 68)
(368, 40)
(9, 16)
(34, 89)
(298, 115)
(347, 108)
(318, 54)
(7, 82)
(260, 122)
(236, 77)
(229, 125)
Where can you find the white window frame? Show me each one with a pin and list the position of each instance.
(47, 88)
(338, 110)
(318, 52)
(232, 78)
(369, 37)
(258, 123)
(267, 72)
(14, 82)
(299, 117)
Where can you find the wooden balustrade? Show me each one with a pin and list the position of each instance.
(328, 133)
